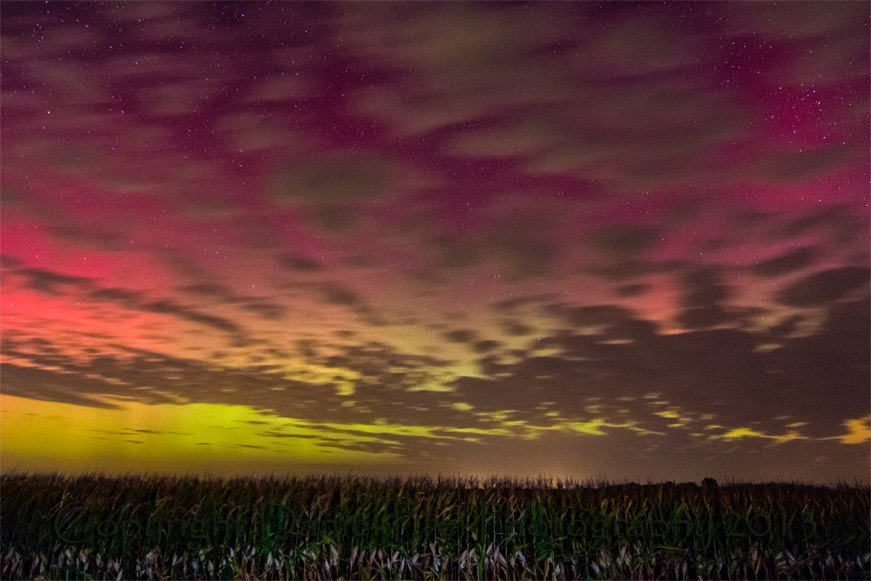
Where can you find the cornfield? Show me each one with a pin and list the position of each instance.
(58, 527)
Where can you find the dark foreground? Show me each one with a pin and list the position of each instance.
(158, 528)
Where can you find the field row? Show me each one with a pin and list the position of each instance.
(421, 528)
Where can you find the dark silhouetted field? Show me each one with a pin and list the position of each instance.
(151, 527)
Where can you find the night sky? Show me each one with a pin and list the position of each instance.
(621, 241)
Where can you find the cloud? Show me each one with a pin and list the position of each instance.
(166, 307)
(48, 385)
(623, 269)
(51, 282)
(300, 263)
(121, 295)
(339, 295)
(703, 317)
(858, 431)
(518, 241)
(589, 382)
(639, 135)
(461, 336)
(704, 287)
(58, 284)
(456, 67)
(248, 132)
(297, 86)
(800, 165)
(835, 60)
(838, 219)
(592, 316)
(10, 262)
(173, 100)
(807, 21)
(66, 79)
(704, 298)
(516, 328)
(266, 311)
(225, 296)
(519, 302)
(527, 242)
(632, 290)
(149, 377)
(334, 188)
(486, 345)
(716, 374)
(383, 410)
(455, 252)
(336, 178)
(208, 289)
(625, 239)
(137, 301)
(825, 286)
(643, 43)
(785, 263)
(641, 121)
(106, 241)
(55, 41)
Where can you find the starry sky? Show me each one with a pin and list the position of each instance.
(599, 240)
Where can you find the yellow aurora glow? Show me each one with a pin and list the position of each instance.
(201, 438)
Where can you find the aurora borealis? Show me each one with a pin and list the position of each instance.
(611, 240)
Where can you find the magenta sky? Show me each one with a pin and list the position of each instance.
(618, 240)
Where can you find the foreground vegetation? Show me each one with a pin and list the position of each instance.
(100, 527)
